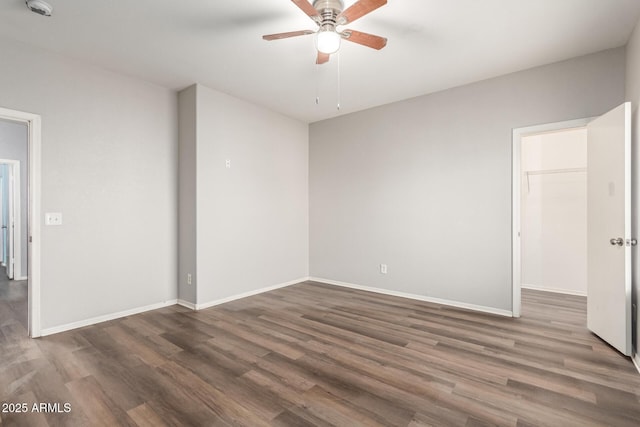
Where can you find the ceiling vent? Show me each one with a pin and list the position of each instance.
(40, 7)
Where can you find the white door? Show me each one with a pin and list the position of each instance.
(609, 227)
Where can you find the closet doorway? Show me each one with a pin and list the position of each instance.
(550, 209)
(553, 201)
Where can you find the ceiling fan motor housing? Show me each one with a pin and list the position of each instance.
(319, 5)
(329, 11)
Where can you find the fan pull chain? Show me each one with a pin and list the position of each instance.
(317, 84)
(316, 72)
(339, 82)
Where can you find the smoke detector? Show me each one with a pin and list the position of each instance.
(40, 7)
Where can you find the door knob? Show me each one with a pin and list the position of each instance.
(619, 241)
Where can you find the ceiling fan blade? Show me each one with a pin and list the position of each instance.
(322, 58)
(279, 36)
(365, 39)
(358, 10)
(306, 7)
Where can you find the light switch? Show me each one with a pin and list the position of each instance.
(53, 218)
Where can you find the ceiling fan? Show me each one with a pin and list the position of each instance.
(329, 14)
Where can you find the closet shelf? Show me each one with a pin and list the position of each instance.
(549, 172)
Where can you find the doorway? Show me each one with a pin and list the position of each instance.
(539, 179)
(609, 235)
(554, 211)
(13, 201)
(28, 242)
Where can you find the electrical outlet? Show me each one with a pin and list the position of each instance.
(53, 218)
(189, 279)
(383, 268)
(228, 163)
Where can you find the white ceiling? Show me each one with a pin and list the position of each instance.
(433, 45)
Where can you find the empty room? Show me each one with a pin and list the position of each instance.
(319, 213)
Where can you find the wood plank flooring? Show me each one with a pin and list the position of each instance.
(318, 355)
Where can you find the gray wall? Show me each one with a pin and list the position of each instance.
(252, 219)
(187, 229)
(633, 95)
(13, 146)
(424, 185)
(109, 164)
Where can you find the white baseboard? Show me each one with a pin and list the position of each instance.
(106, 317)
(192, 306)
(20, 278)
(554, 290)
(248, 294)
(636, 361)
(186, 304)
(467, 306)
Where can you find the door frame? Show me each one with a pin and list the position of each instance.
(34, 126)
(516, 209)
(15, 213)
(1, 237)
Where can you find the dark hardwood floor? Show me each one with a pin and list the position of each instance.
(314, 354)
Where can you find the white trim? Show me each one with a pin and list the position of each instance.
(474, 307)
(105, 318)
(248, 294)
(35, 141)
(636, 361)
(516, 170)
(2, 251)
(186, 304)
(516, 247)
(21, 278)
(554, 290)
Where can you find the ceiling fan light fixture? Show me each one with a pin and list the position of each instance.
(328, 41)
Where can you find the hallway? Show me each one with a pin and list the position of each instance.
(13, 302)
